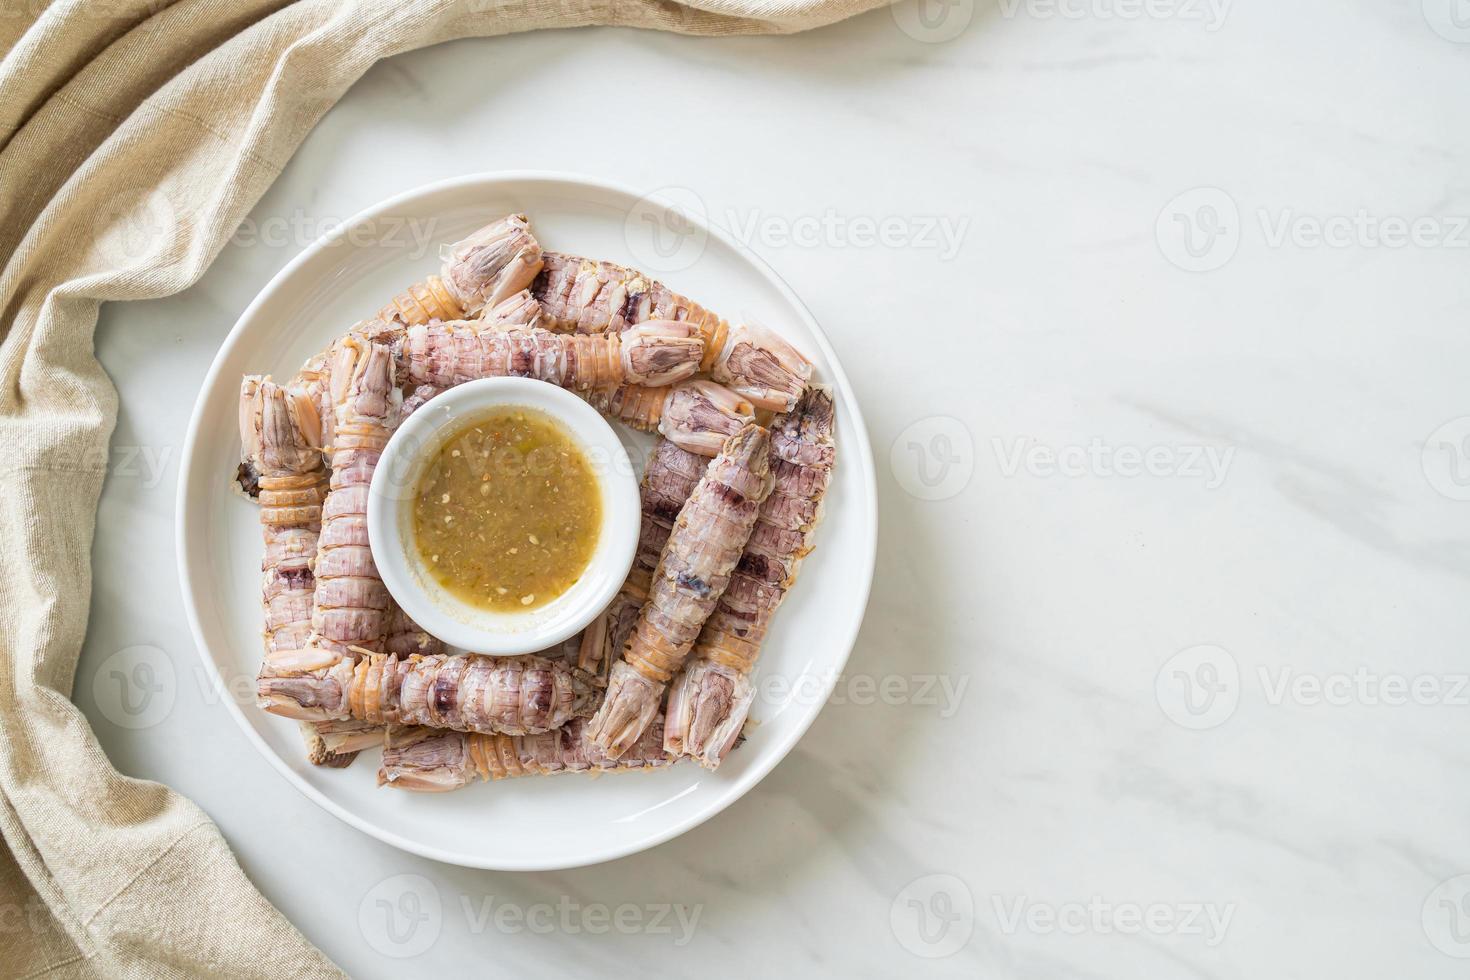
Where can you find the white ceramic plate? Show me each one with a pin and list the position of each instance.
(564, 821)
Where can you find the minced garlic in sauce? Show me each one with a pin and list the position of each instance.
(508, 514)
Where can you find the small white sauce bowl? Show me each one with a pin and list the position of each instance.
(391, 532)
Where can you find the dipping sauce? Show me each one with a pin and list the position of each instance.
(507, 515)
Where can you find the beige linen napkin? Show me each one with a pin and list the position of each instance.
(183, 111)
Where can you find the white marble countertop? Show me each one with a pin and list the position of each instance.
(1157, 315)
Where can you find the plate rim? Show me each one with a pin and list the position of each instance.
(856, 442)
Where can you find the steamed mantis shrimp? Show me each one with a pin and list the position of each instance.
(480, 271)
(703, 547)
(590, 297)
(655, 353)
(417, 399)
(711, 699)
(696, 415)
(715, 556)
(351, 605)
(275, 428)
(350, 608)
(586, 296)
(467, 692)
(436, 759)
(429, 761)
(317, 379)
(669, 477)
(274, 425)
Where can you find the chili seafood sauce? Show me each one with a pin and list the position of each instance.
(507, 515)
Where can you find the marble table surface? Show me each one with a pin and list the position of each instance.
(1156, 309)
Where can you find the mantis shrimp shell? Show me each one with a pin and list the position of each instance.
(316, 375)
(405, 637)
(275, 433)
(482, 270)
(434, 759)
(351, 603)
(668, 479)
(417, 399)
(703, 547)
(699, 416)
(338, 742)
(428, 761)
(348, 604)
(711, 699)
(761, 365)
(584, 296)
(696, 415)
(274, 429)
(452, 353)
(472, 693)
